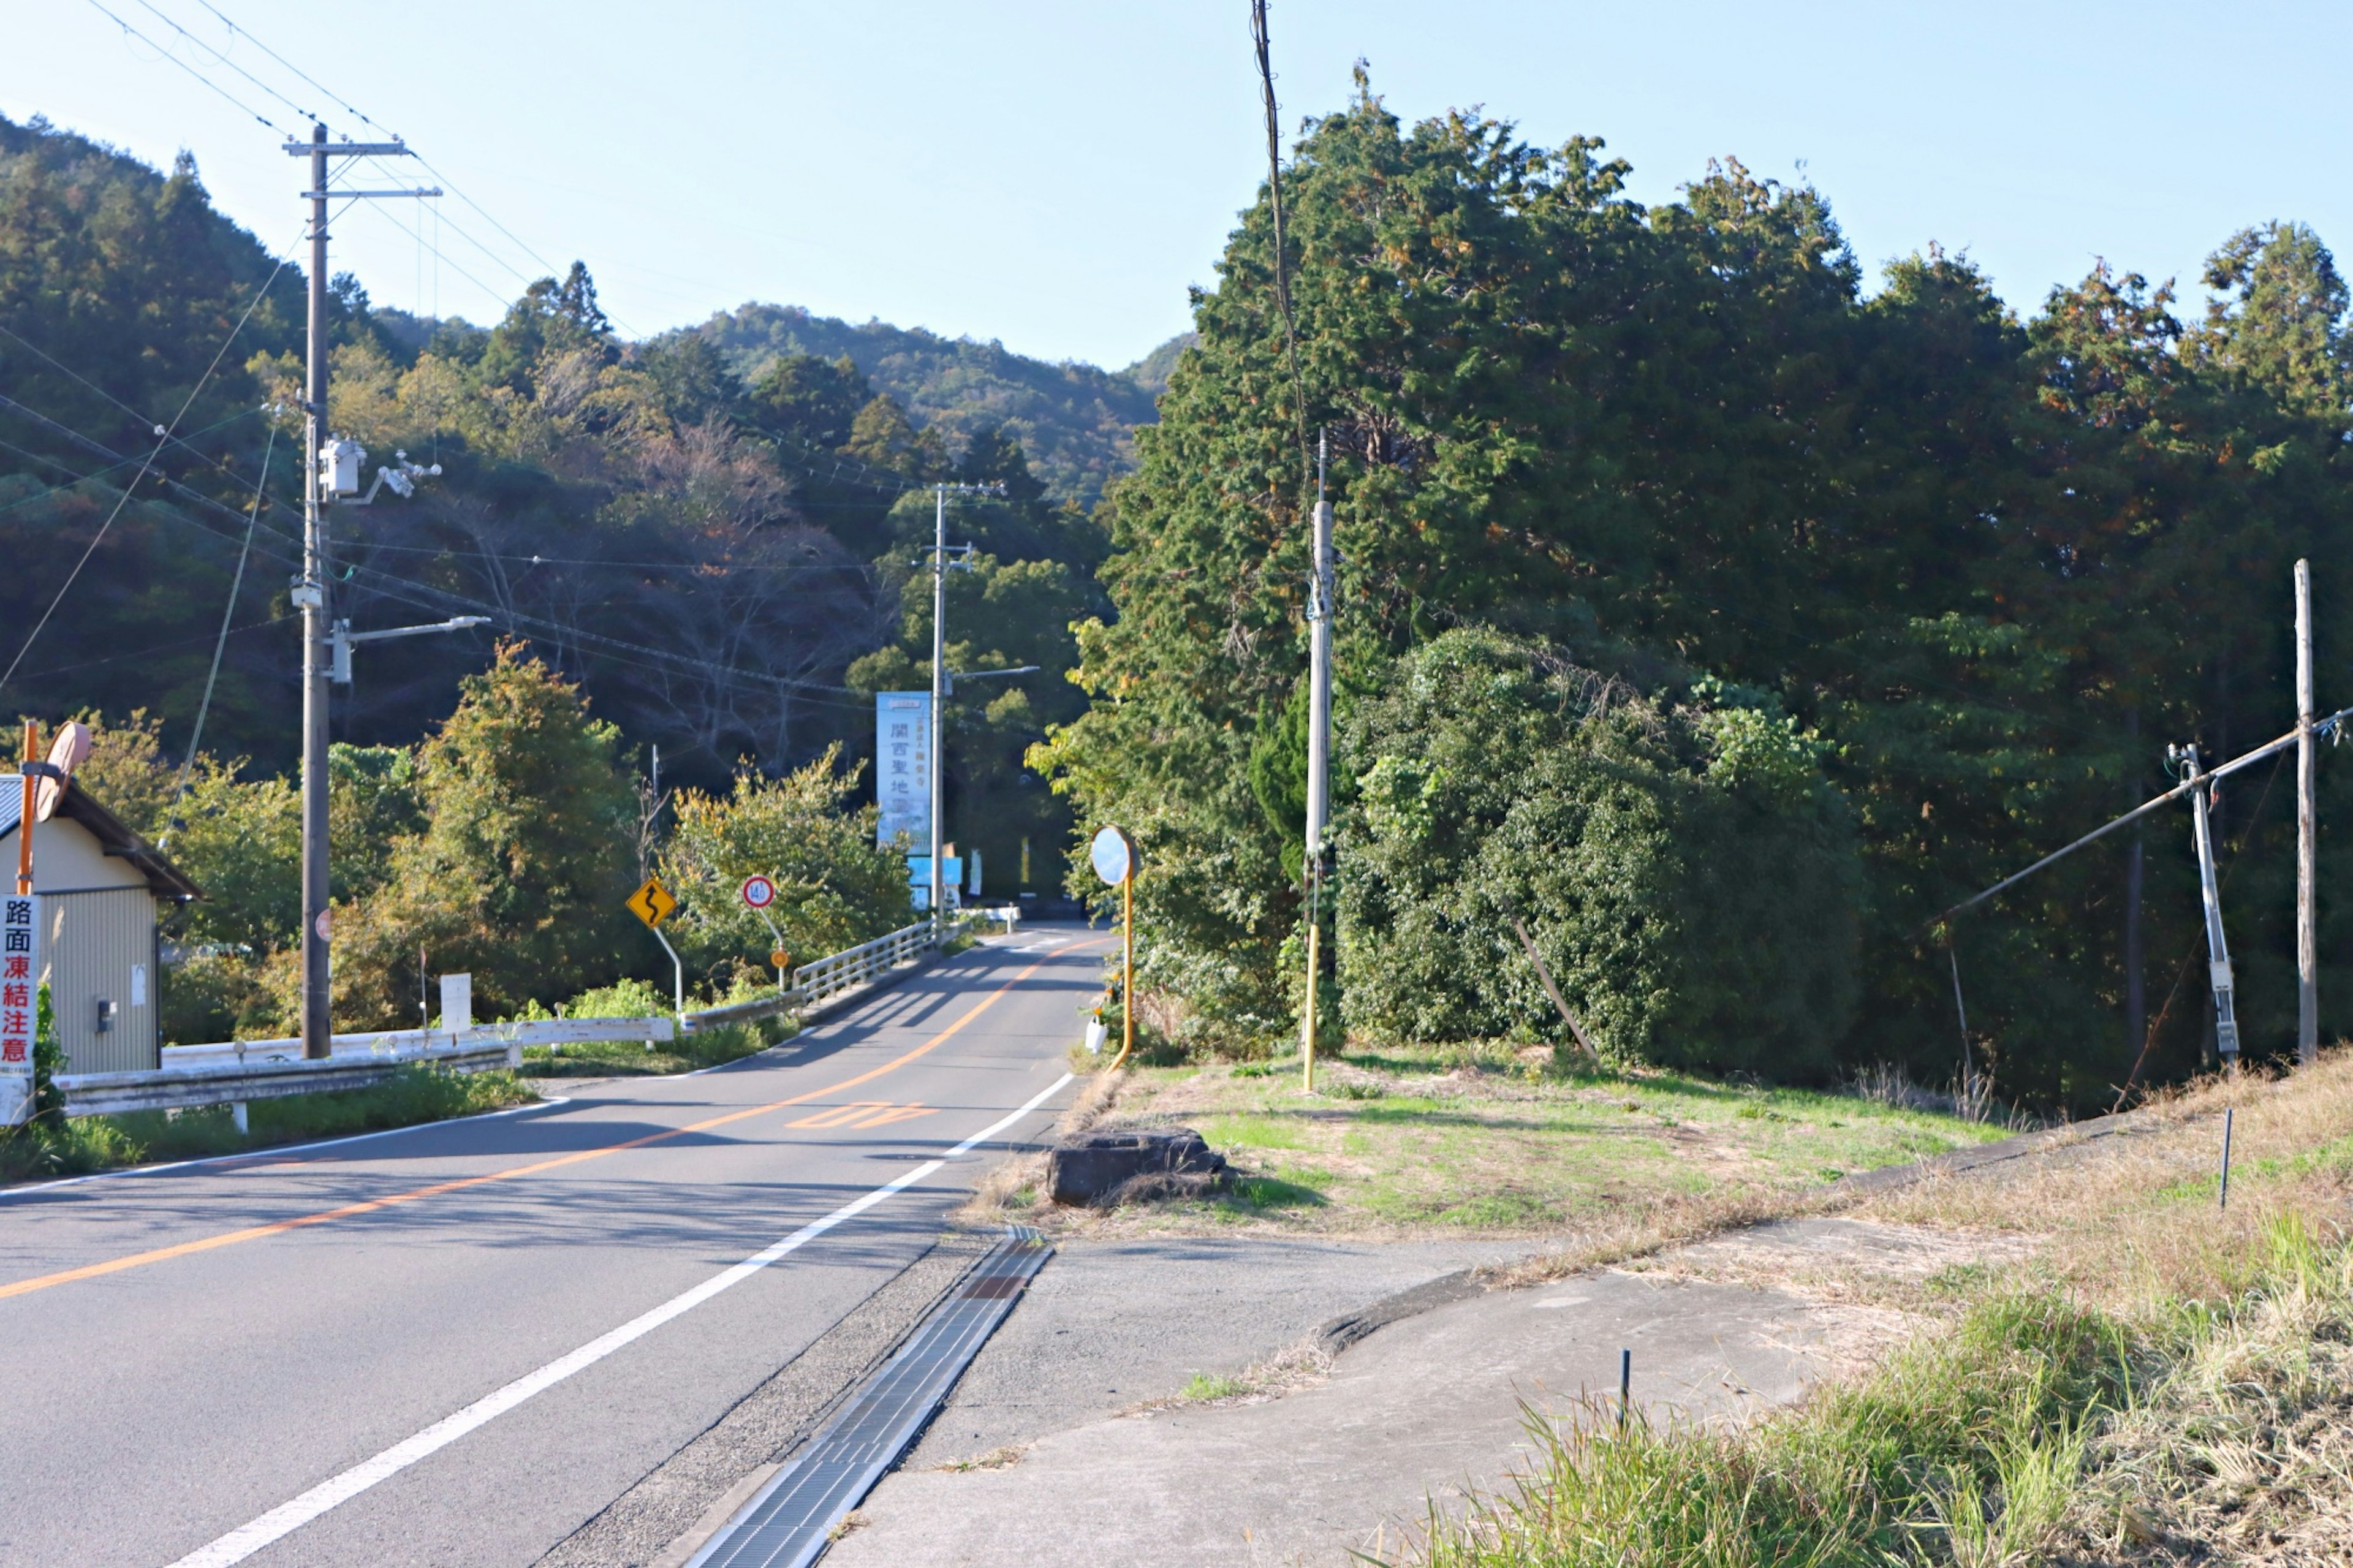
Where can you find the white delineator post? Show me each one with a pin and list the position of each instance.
(2308, 836)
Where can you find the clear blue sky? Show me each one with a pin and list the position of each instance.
(1054, 175)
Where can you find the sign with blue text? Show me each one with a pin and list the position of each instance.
(903, 768)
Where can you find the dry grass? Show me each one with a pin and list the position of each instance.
(1302, 1365)
(2104, 1367)
(1010, 1192)
(998, 1458)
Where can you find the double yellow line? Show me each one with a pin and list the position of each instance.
(416, 1195)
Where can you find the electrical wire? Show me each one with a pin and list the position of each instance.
(167, 21)
(220, 644)
(163, 439)
(242, 106)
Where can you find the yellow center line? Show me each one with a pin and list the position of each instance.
(254, 1233)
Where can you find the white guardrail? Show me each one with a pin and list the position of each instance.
(236, 1071)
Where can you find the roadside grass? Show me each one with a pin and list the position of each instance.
(415, 1094)
(2157, 1382)
(1449, 1140)
(646, 1058)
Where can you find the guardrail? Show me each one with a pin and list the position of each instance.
(234, 1071)
(813, 983)
(234, 1083)
(408, 1044)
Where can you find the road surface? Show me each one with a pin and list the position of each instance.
(454, 1344)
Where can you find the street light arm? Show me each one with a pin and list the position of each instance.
(455, 624)
(956, 675)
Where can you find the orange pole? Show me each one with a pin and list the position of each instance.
(25, 814)
(1127, 965)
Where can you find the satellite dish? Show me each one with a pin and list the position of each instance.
(70, 750)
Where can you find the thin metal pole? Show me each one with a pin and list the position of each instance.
(1625, 1385)
(27, 810)
(318, 1027)
(2307, 829)
(2227, 1113)
(1968, 1062)
(1127, 962)
(939, 695)
(1319, 745)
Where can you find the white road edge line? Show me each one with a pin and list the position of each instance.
(282, 1520)
(271, 1150)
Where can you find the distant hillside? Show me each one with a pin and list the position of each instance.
(1151, 372)
(1073, 419)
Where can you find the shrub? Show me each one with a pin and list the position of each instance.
(1690, 879)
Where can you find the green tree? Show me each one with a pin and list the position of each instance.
(835, 888)
(518, 873)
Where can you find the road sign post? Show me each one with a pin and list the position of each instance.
(1113, 854)
(759, 892)
(654, 903)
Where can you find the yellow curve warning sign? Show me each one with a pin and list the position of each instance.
(653, 903)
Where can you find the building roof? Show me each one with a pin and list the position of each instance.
(165, 879)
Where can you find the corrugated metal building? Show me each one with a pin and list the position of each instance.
(101, 888)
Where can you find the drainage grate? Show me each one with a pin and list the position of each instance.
(785, 1523)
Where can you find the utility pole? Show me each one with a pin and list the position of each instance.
(941, 684)
(321, 480)
(2307, 828)
(2218, 948)
(1319, 743)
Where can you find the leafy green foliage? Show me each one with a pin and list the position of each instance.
(1687, 873)
(1984, 569)
(519, 871)
(835, 888)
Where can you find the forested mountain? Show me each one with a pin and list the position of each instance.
(1073, 420)
(1723, 621)
(709, 554)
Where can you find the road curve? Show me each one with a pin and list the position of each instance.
(455, 1344)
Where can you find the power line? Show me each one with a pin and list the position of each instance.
(224, 60)
(242, 106)
(220, 644)
(162, 438)
(289, 65)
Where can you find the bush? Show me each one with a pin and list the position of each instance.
(1688, 876)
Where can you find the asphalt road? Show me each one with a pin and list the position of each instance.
(454, 1344)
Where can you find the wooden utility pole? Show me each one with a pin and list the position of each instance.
(2307, 849)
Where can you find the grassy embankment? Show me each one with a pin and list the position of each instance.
(83, 1144)
(2155, 1381)
(1447, 1141)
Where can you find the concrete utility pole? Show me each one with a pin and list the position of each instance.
(1319, 743)
(940, 683)
(2218, 948)
(310, 594)
(2308, 830)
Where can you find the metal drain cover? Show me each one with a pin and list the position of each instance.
(786, 1522)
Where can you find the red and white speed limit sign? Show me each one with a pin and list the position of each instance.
(759, 892)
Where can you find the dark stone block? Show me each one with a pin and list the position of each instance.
(1098, 1170)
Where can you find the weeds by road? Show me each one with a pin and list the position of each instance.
(414, 1094)
(2155, 1381)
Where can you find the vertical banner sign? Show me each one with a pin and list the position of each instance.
(20, 979)
(903, 768)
